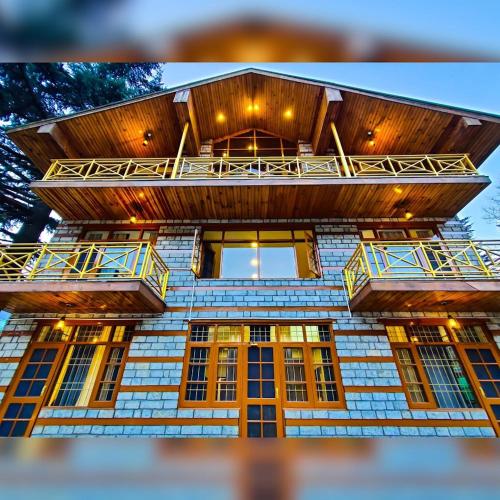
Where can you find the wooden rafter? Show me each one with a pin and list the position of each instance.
(58, 140)
(184, 107)
(329, 108)
(459, 133)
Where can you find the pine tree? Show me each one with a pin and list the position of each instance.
(31, 92)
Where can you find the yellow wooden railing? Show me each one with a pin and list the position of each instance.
(103, 169)
(409, 260)
(99, 261)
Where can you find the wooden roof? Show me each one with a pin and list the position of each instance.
(401, 125)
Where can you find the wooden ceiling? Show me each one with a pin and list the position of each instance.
(401, 126)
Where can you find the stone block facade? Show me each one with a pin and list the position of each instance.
(149, 391)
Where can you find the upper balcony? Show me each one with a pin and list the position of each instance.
(82, 276)
(437, 275)
(436, 185)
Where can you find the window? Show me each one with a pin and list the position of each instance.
(92, 363)
(398, 234)
(259, 254)
(253, 143)
(225, 363)
(431, 363)
(139, 234)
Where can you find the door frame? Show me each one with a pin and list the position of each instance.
(276, 401)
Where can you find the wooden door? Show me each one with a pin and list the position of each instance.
(485, 371)
(262, 414)
(27, 391)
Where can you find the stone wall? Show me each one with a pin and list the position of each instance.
(375, 403)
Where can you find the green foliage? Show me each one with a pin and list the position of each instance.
(31, 92)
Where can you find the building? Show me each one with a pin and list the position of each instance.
(255, 255)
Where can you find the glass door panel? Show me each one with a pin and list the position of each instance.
(486, 372)
(25, 398)
(261, 410)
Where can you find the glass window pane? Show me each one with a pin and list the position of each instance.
(447, 379)
(317, 333)
(240, 236)
(275, 235)
(239, 261)
(212, 235)
(211, 260)
(277, 261)
(202, 333)
(291, 333)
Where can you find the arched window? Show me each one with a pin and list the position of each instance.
(252, 143)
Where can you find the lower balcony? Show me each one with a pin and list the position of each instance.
(444, 275)
(266, 187)
(82, 277)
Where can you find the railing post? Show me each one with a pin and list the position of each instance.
(37, 262)
(367, 260)
(125, 174)
(179, 151)
(339, 149)
(480, 259)
(51, 170)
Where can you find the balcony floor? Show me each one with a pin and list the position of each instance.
(86, 297)
(427, 295)
(244, 198)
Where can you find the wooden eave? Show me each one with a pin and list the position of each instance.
(260, 198)
(402, 125)
(428, 295)
(85, 296)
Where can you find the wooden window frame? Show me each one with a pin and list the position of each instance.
(399, 225)
(65, 344)
(280, 375)
(459, 350)
(258, 229)
(119, 227)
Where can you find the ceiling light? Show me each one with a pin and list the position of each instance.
(452, 322)
(61, 323)
(141, 195)
(408, 215)
(398, 190)
(133, 219)
(288, 114)
(148, 135)
(221, 117)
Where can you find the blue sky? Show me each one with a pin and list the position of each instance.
(467, 85)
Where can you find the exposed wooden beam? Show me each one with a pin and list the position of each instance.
(329, 108)
(53, 133)
(340, 150)
(185, 131)
(458, 135)
(184, 107)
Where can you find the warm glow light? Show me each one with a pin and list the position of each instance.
(145, 142)
(250, 147)
(254, 262)
(414, 339)
(254, 244)
(255, 276)
(221, 117)
(452, 322)
(252, 107)
(256, 107)
(224, 154)
(398, 190)
(408, 215)
(371, 143)
(288, 114)
(141, 195)
(61, 323)
(133, 219)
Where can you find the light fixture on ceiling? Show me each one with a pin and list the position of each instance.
(148, 135)
(408, 214)
(371, 137)
(133, 219)
(288, 114)
(452, 321)
(221, 117)
(142, 195)
(398, 190)
(61, 323)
